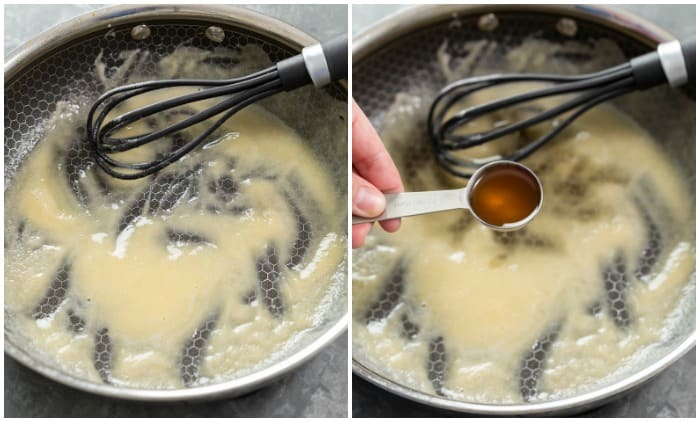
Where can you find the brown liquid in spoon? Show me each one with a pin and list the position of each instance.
(504, 194)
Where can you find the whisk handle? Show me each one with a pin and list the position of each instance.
(336, 52)
(688, 49)
(318, 64)
(673, 63)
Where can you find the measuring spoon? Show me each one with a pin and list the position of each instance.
(502, 195)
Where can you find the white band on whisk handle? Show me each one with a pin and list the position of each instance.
(316, 65)
(673, 63)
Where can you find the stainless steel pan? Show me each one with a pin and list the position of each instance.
(398, 55)
(55, 64)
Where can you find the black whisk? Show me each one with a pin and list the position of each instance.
(672, 63)
(318, 64)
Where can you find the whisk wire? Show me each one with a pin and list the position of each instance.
(110, 144)
(672, 63)
(318, 64)
(575, 84)
(149, 110)
(120, 94)
(580, 105)
(453, 142)
(455, 92)
(595, 88)
(108, 163)
(241, 92)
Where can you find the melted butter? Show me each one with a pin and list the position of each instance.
(152, 292)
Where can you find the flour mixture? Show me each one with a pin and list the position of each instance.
(452, 308)
(207, 271)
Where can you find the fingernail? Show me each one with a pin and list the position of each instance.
(370, 202)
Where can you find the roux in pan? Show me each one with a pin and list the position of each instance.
(589, 287)
(208, 270)
(451, 307)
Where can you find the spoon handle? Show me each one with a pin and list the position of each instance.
(415, 203)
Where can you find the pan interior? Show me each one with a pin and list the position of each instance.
(394, 84)
(70, 78)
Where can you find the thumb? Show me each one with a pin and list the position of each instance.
(367, 200)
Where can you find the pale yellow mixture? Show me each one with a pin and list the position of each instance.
(175, 271)
(452, 308)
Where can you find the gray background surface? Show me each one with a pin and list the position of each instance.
(317, 389)
(671, 394)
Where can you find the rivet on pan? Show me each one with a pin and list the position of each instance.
(488, 22)
(111, 34)
(140, 32)
(215, 33)
(455, 23)
(567, 27)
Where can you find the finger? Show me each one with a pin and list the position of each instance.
(367, 201)
(365, 207)
(369, 157)
(391, 225)
(359, 234)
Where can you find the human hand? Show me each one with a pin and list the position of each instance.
(373, 172)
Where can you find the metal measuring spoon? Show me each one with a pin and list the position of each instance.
(486, 209)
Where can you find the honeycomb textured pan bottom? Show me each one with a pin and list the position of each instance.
(207, 271)
(596, 282)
